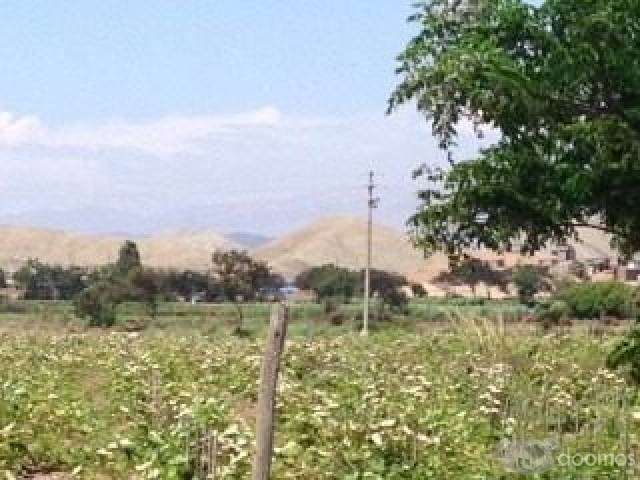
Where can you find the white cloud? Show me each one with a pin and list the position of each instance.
(195, 134)
(261, 170)
(166, 136)
(16, 130)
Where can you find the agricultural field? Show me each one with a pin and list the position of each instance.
(177, 315)
(460, 402)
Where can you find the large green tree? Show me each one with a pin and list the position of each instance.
(560, 83)
(239, 278)
(128, 258)
(329, 281)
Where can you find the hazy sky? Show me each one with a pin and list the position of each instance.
(256, 115)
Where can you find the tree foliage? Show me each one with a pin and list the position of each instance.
(98, 303)
(187, 284)
(418, 290)
(468, 270)
(329, 281)
(560, 83)
(388, 287)
(528, 280)
(601, 299)
(334, 282)
(128, 258)
(239, 277)
(141, 285)
(125, 281)
(50, 282)
(627, 354)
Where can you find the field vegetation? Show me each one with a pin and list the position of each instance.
(445, 388)
(407, 403)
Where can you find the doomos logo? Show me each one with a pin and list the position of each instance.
(527, 456)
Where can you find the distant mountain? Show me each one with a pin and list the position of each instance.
(182, 249)
(249, 240)
(342, 241)
(178, 249)
(338, 240)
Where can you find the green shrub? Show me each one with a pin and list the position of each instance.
(97, 303)
(600, 299)
(553, 314)
(397, 301)
(558, 310)
(418, 290)
(627, 354)
(336, 318)
(529, 281)
(457, 300)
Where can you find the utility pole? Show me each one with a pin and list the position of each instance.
(373, 203)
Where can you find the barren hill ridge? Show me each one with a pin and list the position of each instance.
(179, 249)
(342, 241)
(339, 240)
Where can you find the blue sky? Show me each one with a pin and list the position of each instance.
(255, 116)
(97, 59)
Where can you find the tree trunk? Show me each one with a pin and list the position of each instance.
(267, 391)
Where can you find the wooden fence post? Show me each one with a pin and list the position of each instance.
(267, 391)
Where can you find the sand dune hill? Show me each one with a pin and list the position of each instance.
(339, 240)
(181, 249)
(342, 241)
(18, 244)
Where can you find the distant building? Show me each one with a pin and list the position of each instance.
(598, 265)
(296, 295)
(197, 297)
(288, 290)
(564, 253)
(8, 278)
(629, 272)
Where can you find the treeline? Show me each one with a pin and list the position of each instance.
(341, 285)
(41, 281)
(96, 292)
(233, 276)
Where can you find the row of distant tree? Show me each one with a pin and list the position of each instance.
(41, 281)
(233, 276)
(96, 292)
